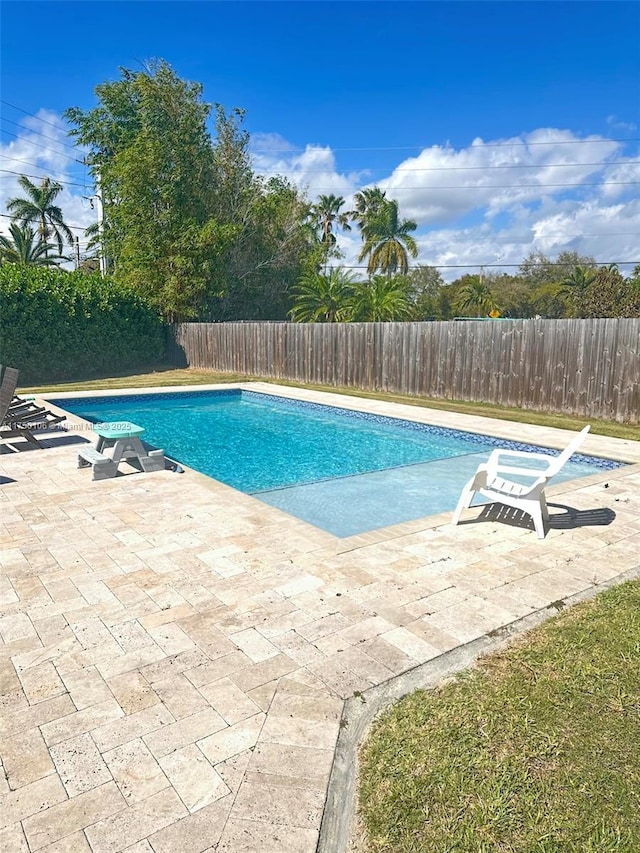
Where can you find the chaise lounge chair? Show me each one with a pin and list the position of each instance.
(18, 417)
(492, 480)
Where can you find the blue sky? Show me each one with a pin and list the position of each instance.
(342, 95)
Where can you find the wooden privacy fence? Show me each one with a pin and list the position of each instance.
(589, 368)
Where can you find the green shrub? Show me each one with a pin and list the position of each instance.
(56, 324)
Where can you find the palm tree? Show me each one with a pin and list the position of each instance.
(22, 249)
(387, 240)
(575, 285)
(367, 203)
(39, 208)
(476, 297)
(323, 298)
(383, 299)
(326, 214)
(324, 217)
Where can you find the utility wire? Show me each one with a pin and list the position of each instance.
(502, 266)
(73, 227)
(468, 168)
(471, 147)
(46, 147)
(432, 186)
(20, 110)
(435, 187)
(39, 133)
(42, 178)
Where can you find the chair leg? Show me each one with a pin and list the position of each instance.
(465, 501)
(543, 507)
(538, 522)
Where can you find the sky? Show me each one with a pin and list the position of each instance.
(501, 128)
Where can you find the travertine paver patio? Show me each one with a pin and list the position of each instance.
(175, 654)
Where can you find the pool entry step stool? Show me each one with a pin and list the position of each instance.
(124, 438)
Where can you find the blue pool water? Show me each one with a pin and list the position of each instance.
(343, 471)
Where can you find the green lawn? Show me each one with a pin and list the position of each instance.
(163, 375)
(536, 750)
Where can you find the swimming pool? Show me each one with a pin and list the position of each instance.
(342, 470)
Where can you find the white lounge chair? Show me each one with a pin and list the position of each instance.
(492, 481)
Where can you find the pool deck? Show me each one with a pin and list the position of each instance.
(176, 654)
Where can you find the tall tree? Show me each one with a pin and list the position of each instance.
(387, 240)
(574, 287)
(152, 154)
(23, 248)
(39, 208)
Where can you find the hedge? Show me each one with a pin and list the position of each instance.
(56, 325)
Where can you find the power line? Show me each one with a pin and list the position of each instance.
(429, 187)
(46, 147)
(469, 168)
(73, 227)
(502, 266)
(20, 110)
(434, 187)
(42, 178)
(293, 149)
(43, 135)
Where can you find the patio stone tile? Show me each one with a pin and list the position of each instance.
(12, 839)
(126, 728)
(229, 701)
(86, 687)
(80, 722)
(30, 799)
(74, 843)
(180, 696)
(234, 769)
(387, 654)
(16, 626)
(249, 836)
(36, 715)
(306, 767)
(133, 824)
(260, 673)
(139, 847)
(69, 816)
(132, 692)
(295, 807)
(410, 644)
(171, 638)
(172, 665)
(112, 666)
(263, 695)
(130, 635)
(299, 731)
(186, 731)
(193, 777)
(232, 740)
(25, 758)
(41, 682)
(297, 648)
(79, 764)
(136, 772)
(53, 630)
(193, 834)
